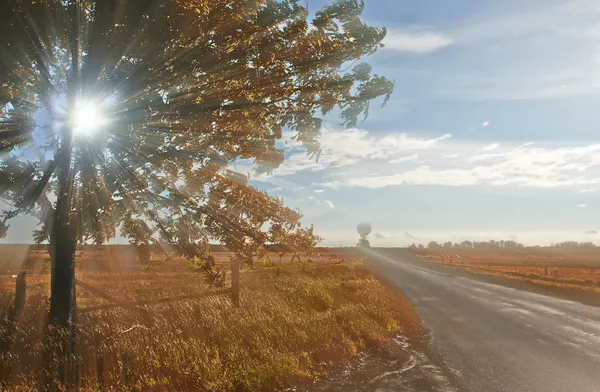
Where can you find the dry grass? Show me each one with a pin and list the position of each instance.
(293, 322)
(580, 269)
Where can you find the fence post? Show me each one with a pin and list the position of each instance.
(125, 369)
(74, 344)
(100, 370)
(235, 281)
(20, 294)
(546, 271)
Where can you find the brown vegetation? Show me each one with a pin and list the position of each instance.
(560, 267)
(157, 328)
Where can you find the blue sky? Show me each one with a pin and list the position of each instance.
(491, 132)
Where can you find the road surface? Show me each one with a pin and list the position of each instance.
(497, 338)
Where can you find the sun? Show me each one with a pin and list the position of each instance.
(88, 119)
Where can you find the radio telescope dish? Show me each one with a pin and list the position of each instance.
(364, 229)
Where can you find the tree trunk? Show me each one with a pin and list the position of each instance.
(63, 235)
(63, 243)
(60, 342)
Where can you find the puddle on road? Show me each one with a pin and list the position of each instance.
(397, 368)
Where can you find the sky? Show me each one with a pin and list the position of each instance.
(491, 132)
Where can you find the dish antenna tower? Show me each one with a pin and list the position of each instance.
(364, 229)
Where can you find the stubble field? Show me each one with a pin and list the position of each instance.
(560, 267)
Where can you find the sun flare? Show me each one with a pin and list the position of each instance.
(88, 118)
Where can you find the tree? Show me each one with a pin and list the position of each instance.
(512, 244)
(574, 244)
(466, 244)
(448, 245)
(433, 245)
(303, 240)
(129, 115)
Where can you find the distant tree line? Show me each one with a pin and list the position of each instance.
(574, 244)
(510, 244)
(469, 245)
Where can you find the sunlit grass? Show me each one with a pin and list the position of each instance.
(294, 321)
(574, 272)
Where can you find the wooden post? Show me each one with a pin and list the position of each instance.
(278, 272)
(125, 369)
(100, 370)
(546, 271)
(20, 295)
(235, 281)
(20, 292)
(73, 344)
(223, 276)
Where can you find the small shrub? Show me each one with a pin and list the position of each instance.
(321, 300)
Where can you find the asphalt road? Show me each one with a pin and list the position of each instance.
(497, 338)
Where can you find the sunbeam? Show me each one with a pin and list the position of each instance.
(88, 118)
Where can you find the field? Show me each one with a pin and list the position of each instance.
(560, 267)
(162, 328)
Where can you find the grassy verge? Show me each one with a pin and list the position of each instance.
(536, 272)
(578, 284)
(294, 322)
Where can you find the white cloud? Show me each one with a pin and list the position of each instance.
(415, 41)
(356, 158)
(521, 166)
(585, 191)
(485, 123)
(409, 158)
(490, 147)
(582, 205)
(329, 203)
(483, 157)
(341, 148)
